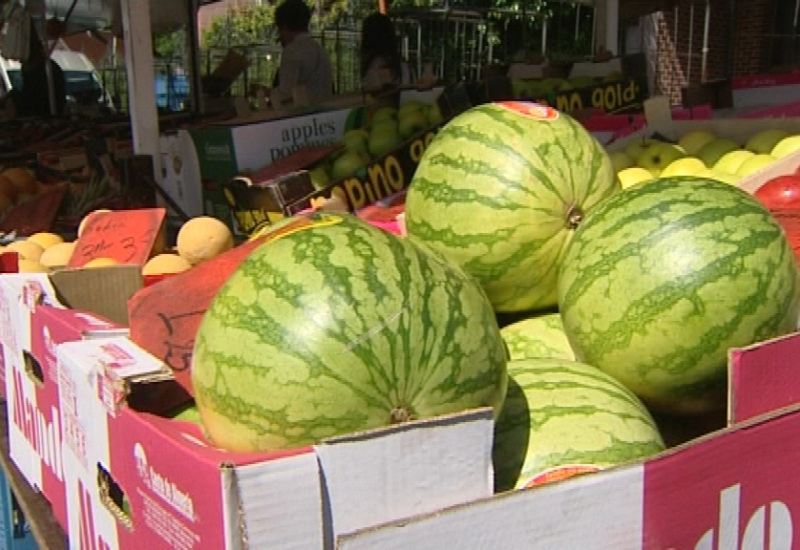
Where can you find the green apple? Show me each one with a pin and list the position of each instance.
(686, 166)
(319, 177)
(786, 146)
(693, 141)
(712, 151)
(633, 175)
(658, 156)
(765, 141)
(384, 137)
(620, 160)
(582, 81)
(637, 147)
(410, 106)
(731, 161)
(712, 174)
(754, 164)
(348, 162)
(386, 112)
(517, 87)
(434, 114)
(356, 139)
(411, 123)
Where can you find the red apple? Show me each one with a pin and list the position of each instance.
(780, 191)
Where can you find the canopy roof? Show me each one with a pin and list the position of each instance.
(105, 14)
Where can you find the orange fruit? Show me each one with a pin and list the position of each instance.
(8, 188)
(22, 179)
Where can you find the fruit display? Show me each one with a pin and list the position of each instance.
(562, 418)
(587, 299)
(704, 154)
(663, 279)
(389, 127)
(335, 327)
(198, 239)
(500, 191)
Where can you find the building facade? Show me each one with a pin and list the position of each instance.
(699, 41)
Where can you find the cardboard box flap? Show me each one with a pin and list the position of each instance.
(728, 490)
(451, 453)
(103, 291)
(763, 378)
(28, 289)
(597, 511)
(115, 364)
(268, 521)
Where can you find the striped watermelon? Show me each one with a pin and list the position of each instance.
(333, 326)
(663, 279)
(501, 189)
(563, 417)
(540, 336)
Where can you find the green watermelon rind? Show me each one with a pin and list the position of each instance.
(541, 336)
(562, 413)
(493, 191)
(332, 330)
(661, 320)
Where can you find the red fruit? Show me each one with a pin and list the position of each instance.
(780, 191)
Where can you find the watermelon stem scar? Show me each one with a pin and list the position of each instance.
(401, 415)
(574, 216)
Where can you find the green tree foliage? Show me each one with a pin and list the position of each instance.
(241, 27)
(171, 45)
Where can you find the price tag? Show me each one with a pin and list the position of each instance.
(126, 236)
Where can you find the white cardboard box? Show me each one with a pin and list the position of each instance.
(736, 488)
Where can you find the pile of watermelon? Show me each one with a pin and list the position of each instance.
(624, 305)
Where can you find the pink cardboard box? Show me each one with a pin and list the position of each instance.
(138, 480)
(32, 323)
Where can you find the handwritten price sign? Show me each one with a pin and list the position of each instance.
(126, 236)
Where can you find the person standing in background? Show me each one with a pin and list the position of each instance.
(304, 63)
(382, 66)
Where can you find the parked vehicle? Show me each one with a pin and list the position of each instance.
(83, 85)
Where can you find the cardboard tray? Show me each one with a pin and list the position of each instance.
(733, 488)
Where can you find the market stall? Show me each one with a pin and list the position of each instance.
(462, 317)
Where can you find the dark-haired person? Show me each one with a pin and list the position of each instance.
(304, 62)
(382, 66)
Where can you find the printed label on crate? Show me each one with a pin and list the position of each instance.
(561, 473)
(258, 145)
(610, 97)
(384, 177)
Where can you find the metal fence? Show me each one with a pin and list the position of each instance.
(457, 43)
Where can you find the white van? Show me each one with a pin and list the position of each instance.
(83, 85)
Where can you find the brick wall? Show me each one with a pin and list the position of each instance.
(740, 49)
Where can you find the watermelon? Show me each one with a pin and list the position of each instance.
(660, 281)
(564, 417)
(333, 326)
(539, 336)
(501, 189)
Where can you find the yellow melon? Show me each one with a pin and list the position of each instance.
(163, 264)
(46, 239)
(202, 238)
(101, 262)
(57, 255)
(29, 250)
(31, 266)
